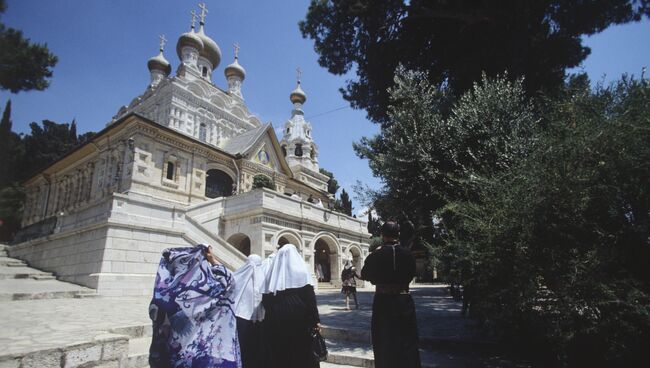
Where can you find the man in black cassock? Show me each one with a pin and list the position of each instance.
(391, 268)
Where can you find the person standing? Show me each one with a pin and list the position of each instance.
(290, 311)
(349, 284)
(394, 329)
(247, 300)
(192, 312)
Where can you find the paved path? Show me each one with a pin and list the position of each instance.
(32, 325)
(438, 314)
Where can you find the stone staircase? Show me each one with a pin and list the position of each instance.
(345, 352)
(18, 281)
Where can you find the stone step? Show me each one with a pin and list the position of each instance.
(100, 351)
(11, 262)
(3, 253)
(138, 352)
(29, 289)
(23, 272)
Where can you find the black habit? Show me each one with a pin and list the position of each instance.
(394, 327)
(250, 343)
(290, 317)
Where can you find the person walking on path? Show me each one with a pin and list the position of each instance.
(290, 311)
(349, 284)
(394, 329)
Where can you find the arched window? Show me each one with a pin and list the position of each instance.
(298, 151)
(312, 154)
(284, 150)
(288, 130)
(204, 72)
(203, 132)
(170, 171)
(218, 184)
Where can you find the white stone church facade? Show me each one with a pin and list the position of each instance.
(176, 168)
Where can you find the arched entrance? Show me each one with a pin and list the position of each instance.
(326, 259)
(241, 242)
(288, 237)
(355, 253)
(218, 184)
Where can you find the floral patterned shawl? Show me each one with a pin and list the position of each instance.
(194, 325)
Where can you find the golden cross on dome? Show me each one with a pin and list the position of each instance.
(163, 42)
(204, 12)
(236, 46)
(298, 73)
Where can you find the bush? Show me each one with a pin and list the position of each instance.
(263, 181)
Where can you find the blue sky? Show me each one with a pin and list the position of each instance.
(103, 47)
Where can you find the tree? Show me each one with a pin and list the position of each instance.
(24, 66)
(11, 194)
(332, 184)
(345, 203)
(559, 241)
(10, 149)
(437, 147)
(455, 41)
(374, 226)
(45, 144)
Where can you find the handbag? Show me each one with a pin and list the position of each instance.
(318, 347)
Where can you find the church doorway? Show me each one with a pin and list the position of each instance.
(241, 242)
(218, 184)
(326, 260)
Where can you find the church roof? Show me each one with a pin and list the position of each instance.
(240, 144)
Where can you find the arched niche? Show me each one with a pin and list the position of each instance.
(242, 242)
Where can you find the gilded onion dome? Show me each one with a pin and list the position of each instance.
(298, 95)
(210, 50)
(235, 70)
(188, 39)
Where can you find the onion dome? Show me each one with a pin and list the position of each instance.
(211, 50)
(235, 70)
(188, 39)
(159, 62)
(298, 95)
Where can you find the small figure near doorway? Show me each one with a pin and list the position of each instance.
(349, 284)
(319, 273)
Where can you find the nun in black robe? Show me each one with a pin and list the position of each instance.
(395, 342)
(290, 311)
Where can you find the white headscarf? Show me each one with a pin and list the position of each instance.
(287, 271)
(266, 265)
(246, 294)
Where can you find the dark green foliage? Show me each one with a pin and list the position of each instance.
(46, 143)
(24, 66)
(542, 210)
(263, 181)
(560, 244)
(345, 203)
(373, 224)
(332, 184)
(10, 149)
(436, 148)
(455, 41)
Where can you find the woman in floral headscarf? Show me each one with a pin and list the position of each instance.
(194, 323)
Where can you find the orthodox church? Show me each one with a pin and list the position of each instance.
(180, 165)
